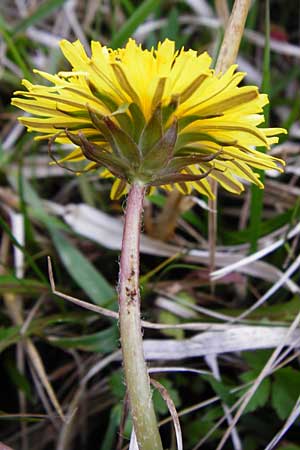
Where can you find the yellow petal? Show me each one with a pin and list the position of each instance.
(119, 188)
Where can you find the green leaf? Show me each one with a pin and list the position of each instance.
(37, 208)
(258, 359)
(8, 335)
(172, 29)
(117, 386)
(129, 7)
(108, 441)
(159, 403)
(267, 226)
(290, 447)
(285, 391)
(81, 270)
(11, 335)
(284, 311)
(104, 341)
(169, 318)
(193, 432)
(261, 396)
(18, 378)
(12, 284)
(221, 389)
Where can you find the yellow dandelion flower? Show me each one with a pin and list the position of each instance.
(159, 117)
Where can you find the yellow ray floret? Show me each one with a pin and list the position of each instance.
(161, 117)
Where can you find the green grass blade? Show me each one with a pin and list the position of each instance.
(29, 258)
(81, 270)
(267, 226)
(14, 49)
(128, 6)
(171, 29)
(138, 17)
(11, 284)
(109, 438)
(104, 341)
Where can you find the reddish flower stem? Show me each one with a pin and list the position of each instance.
(136, 374)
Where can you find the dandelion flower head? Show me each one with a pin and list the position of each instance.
(159, 117)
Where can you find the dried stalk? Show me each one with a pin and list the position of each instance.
(227, 57)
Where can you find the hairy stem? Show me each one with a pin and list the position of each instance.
(136, 374)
